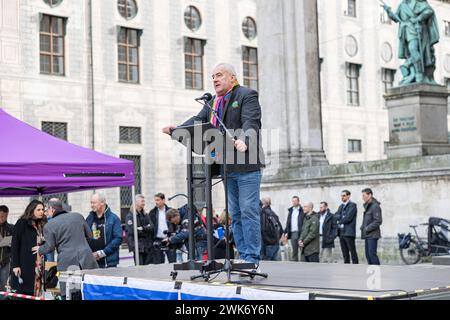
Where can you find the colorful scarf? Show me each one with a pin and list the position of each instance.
(219, 106)
(39, 266)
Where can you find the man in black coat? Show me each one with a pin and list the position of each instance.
(370, 229)
(239, 109)
(328, 232)
(6, 231)
(160, 231)
(145, 230)
(294, 226)
(346, 219)
(272, 231)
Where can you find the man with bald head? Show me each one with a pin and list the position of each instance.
(310, 237)
(239, 109)
(106, 232)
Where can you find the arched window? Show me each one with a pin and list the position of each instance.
(127, 8)
(249, 28)
(53, 3)
(192, 18)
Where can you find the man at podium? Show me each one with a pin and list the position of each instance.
(239, 109)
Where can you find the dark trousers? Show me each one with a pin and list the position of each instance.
(145, 258)
(348, 248)
(158, 256)
(295, 248)
(313, 258)
(371, 252)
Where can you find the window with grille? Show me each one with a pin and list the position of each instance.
(52, 34)
(387, 77)
(128, 55)
(192, 18)
(354, 146)
(126, 196)
(447, 28)
(249, 28)
(128, 9)
(56, 129)
(351, 8)
(130, 135)
(250, 62)
(352, 74)
(193, 53)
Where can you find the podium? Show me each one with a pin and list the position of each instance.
(201, 139)
(192, 137)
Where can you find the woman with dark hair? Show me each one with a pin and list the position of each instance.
(27, 268)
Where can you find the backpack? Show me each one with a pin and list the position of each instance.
(271, 228)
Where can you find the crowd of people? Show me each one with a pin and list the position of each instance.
(162, 233)
(312, 235)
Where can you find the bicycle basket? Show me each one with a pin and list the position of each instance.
(404, 241)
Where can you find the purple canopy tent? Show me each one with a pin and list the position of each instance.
(35, 163)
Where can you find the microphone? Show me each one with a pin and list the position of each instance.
(205, 97)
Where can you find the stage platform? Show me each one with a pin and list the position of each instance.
(287, 281)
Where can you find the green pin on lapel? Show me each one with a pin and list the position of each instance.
(235, 105)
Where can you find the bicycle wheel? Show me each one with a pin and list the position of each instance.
(411, 255)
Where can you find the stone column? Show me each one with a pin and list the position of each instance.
(418, 121)
(290, 80)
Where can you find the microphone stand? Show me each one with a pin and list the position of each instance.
(213, 268)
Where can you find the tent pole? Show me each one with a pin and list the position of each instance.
(135, 231)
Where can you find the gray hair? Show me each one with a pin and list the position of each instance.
(101, 197)
(139, 196)
(228, 67)
(267, 201)
(56, 204)
(309, 205)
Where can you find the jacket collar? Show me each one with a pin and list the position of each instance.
(227, 102)
(106, 213)
(58, 213)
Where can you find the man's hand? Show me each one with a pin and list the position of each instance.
(168, 130)
(140, 229)
(301, 244)
(35, 250)
(240, 146)
(99, 255)
(284, 239)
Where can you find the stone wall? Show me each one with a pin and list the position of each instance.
(410, 191)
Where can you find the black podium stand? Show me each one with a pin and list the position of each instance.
(196, 141)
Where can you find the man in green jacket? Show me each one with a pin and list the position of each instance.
(310, 237)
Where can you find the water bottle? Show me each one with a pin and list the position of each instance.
(94, 231)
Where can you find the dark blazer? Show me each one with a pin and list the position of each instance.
(329, 231)
(242, 113)
(347, 217)
(145, 237)
(23, 240)
(6, 230)
(155, 221)
(372, 220)
(301, 217)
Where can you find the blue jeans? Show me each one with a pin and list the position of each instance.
(371, 252)
(243, 203)
(271, 253)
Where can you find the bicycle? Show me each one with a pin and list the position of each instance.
(412, 248)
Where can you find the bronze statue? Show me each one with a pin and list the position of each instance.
(418, 33)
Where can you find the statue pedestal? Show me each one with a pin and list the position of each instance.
(418, 121)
